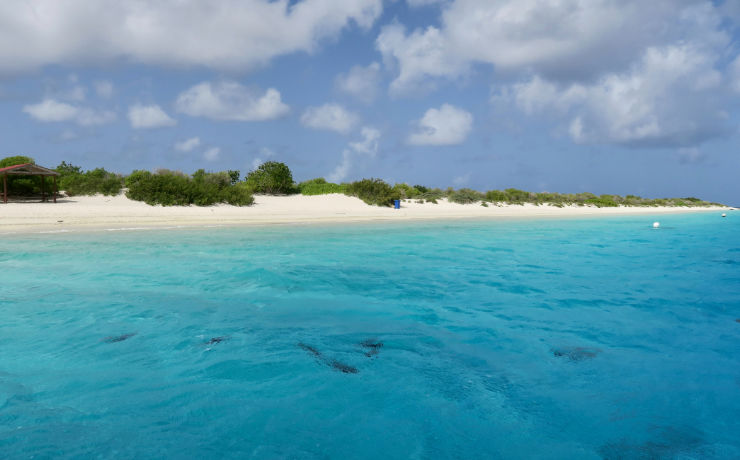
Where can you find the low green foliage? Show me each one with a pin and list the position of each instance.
(465, 196)
(405, 191)
(320, 186)
(202, 188)
(76, 182)
(272, 178)
(16, 160)
(22, 185)
(373, 191)
(174, 188)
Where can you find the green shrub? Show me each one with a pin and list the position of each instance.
(320, 186)
(373, 191)
(405, 191)
(432, 195)
(272, 178)
(238, 194)
(517, 196)
(604, 201)
(465, 196)
(76, 182)
(496, 196)
(173, 188)
(16, 160)
(22, 185)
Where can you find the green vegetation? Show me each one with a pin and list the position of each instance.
(373, 191)
(465, 196)
(320, 186)
(174, 188)
(76, 182)
(22, 185)
(272, 178)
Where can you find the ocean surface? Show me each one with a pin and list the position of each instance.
(520, 339)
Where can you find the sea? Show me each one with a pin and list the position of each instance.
(581, 338)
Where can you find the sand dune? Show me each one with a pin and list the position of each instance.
(101, 212)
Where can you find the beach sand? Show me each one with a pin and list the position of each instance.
(105, 212)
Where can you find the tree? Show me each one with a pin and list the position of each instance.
(16, 160)
(273, 178)
(21, 185)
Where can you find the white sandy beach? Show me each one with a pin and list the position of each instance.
(104, 212)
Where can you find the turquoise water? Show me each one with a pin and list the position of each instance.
(569, 339)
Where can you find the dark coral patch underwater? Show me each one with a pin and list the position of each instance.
(576, 353)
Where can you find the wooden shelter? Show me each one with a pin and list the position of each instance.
(29, 169)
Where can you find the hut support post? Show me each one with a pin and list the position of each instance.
(43, 190)
(56, 190)
(5, 188)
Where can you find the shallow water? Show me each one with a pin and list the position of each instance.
(595, 338)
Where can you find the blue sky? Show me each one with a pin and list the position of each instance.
(607, 96)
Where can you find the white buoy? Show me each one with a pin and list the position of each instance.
(724, 215)
(656, 224)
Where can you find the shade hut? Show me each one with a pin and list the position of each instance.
(29, 169)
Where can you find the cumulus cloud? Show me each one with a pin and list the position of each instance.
(332, 117)
(422, 54)
(367, 146)
(673, 97)
(447, 125)
(223, 34)
(51, 110)
(629, 72)
(149, 116)
(188, 144)
(360, 82)
(568, 39)
(212, 154)
(230, 101)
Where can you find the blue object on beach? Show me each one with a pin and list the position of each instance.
(397, 204)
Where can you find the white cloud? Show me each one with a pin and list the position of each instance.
(51, 110)
(360, 82)
(641, 107)
(420, 55)
(104, 89)
(447, 125)
(620, 71)
(331, 117)
(223, 34)
(188, 144)
(230, 101)
(557, 39)
(368, 146)
(149, 116)
(369, 143)
(212, 154)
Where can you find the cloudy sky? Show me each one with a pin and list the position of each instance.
(608, 96)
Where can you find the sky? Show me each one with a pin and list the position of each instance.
(603, 96)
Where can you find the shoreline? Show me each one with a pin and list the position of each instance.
(118, 213)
